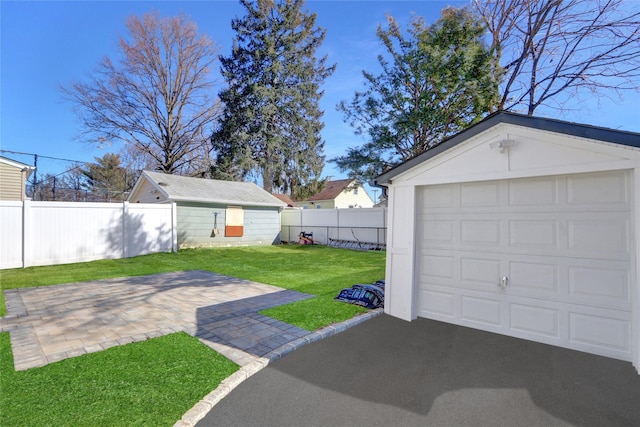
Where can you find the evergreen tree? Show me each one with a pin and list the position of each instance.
(435, 81)
(108, 177)
(271, 122)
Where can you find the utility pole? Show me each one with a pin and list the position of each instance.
(35, 176)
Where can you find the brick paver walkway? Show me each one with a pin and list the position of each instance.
(51, 323)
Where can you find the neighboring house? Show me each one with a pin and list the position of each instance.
(286, 199)
(212, 212)
(522, 226)
(13, 179)
(344, 193)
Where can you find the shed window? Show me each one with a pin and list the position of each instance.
(234, 222)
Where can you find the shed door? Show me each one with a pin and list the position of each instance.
(234, 222)
(547, 259)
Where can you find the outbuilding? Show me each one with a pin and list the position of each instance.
(213, 212)
(521, 226)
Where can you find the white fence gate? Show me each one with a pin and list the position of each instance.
(46, 233)
(366, 225)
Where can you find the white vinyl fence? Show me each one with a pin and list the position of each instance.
(46, 233)
(366, 225)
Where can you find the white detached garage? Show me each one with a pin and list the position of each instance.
(521, 226)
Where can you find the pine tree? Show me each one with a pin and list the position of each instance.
(107, 176)
(271, 122)
(436, 80)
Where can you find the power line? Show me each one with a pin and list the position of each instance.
(41, 157)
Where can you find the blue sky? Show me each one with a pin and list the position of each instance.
(47, 44)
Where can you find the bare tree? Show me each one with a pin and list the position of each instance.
(156, 97)
(554, 48)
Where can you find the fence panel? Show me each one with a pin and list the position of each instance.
(149, 229)
(62, 233)
(362, 224)
(66, 232)
(10, 234)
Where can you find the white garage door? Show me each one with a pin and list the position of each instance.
(547, 259)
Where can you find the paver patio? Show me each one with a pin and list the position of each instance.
(51, 323)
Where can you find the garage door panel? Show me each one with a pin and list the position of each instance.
(534, 234)
(534, 276)
(600, 332)
(533, 192)
(600, 236)
(531, 319)
(480, 273)
(433, 302)
(481, 309)
(606, 188)
(433, 266)
(610, 284)
(440, 196)
(480, 194)
(438, 232)
(486, 232)
(564, 243)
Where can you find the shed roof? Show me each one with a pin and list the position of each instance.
(614, 136)
(332, 190)
(187, 189)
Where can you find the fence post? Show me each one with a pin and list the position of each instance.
(174, 227)
(125, 231)
(27, 254)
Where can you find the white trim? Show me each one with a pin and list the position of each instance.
(635, 291)
(16, 164)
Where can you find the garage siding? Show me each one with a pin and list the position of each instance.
(546, 258)
(196, 222)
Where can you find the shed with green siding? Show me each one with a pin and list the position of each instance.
(212, 212)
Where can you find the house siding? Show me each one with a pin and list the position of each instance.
(346, 199)
(349, 198)
(323, 204)
(196, 222)
(11, 183)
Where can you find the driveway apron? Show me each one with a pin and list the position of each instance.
(388, 372)
(51, 323)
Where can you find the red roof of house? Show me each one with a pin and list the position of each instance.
(332, 190)
(286, 199)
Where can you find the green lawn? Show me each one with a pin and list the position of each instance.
(317, 270)
(147, 383)
(156, 381)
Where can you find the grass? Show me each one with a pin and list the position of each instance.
(148, 383)
(155, 382)
(316, 270)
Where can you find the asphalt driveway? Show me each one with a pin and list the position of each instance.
(387, 372)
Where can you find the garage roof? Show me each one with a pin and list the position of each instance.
(631, 139)
(187, 189)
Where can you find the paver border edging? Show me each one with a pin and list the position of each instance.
(202, 408)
